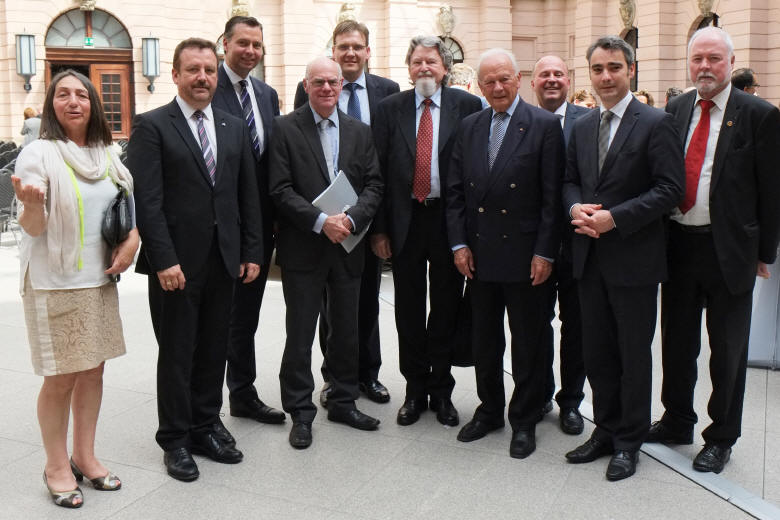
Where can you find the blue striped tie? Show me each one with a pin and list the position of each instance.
(249, 117)
(353, 105)
(205, 146)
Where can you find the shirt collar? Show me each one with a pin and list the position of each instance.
(360, 81)
(333, 117)
(620, 108)
(511, 109)
(188, 110)
(436, 98)
(720, 99)
(232, 76)
(561, 110)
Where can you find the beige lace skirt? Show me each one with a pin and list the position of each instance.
(72, 330)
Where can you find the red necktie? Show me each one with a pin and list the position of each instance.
(421, 186)
(694, 158)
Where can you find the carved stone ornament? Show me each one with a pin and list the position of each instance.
(705, 7)
(347, 12)
(240, 8)
(627, 13)
(87, 5)
(446, 20)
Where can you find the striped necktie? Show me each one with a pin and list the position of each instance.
(606, 117)
(249, 117)
(205, 147)
(353, 104)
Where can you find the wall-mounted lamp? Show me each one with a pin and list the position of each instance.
(25, 58)
(150, 50)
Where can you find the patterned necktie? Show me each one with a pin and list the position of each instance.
(205, 147)
(497, 131)
(327, 148)
(249, 117)
(694, 157)
(421, 186)
(606, 117)
(353, 105)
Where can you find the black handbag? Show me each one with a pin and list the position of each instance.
(117, 224)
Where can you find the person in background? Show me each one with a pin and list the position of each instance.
(32, 126)
(745, 79)
(672, 92)
(583, 98)
(645, 97)
(64, 182)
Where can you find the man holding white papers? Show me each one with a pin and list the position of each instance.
(310, 146)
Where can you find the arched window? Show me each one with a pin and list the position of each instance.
(97, 29)
(454, 47)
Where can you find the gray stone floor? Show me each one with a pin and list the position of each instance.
(418, 471)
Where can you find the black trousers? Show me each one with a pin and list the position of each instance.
(618, 327)
(425, 344)
(191, 327)
(572, 366)
(302, 296)
(695, 281)
(526, 307)
(369, 352)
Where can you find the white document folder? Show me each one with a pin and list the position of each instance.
(336, 199)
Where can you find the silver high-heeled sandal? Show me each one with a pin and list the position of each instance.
(108, 482)
(65, 498)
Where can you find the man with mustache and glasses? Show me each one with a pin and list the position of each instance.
(359, 98)
(551, 82)
(722, 236)
(415, 134)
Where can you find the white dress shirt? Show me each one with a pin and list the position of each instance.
(234, 79)
(435, 109)
(618, 111)
(561, 113)
(192, 122)
(362, 95)
(699, 214)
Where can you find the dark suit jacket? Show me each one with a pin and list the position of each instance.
(745, 184)
(573, 112)
(177, 208)
(512, 212)
(643, 178)
(377, 89)
(268, 103)
(298, 174)
(395, 134)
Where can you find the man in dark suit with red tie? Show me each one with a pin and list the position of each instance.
(503, 222)
(244, 96)
(415, 134)
(359, 98)
(722, 235)
(624, 173)
(200, 222)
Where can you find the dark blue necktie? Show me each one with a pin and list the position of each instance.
(353, 105)
(249, 117)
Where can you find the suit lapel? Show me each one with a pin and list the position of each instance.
(479, 150)
(371, 91)
(229, 93)
(262, 107)
(408, 121)
(448, 118)
(220, 130)
(305, 121)
(568, 121)
(515, 132)
(627, 123)
(181, 126)
(727, 129)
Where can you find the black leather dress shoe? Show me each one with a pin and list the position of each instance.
(446, 413)
(300, 435)
(571, 422)
(222, 433)
(411, 410)
(622, 465)
(476, 429)
(257, 410)
(180, 465)
(375, 391)
(523, 444)
(712, 458)
(353, 417)
(589, 451)
(659, 432)
(327, 388)
(211, 446)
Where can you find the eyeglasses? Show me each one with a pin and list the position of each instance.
(319, 83)
(344, 47)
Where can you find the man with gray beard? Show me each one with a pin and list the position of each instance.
(415, 133)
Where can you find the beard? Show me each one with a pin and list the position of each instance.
(425, 86)
(710, 86)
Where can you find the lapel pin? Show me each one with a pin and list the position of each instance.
(223, 123)
(729, 123)
(522, 129)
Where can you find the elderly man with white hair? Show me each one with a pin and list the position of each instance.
(504, 224)
(722, 236)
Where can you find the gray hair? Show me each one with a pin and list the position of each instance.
(432, 42)
(317, 60)
(720, 33)
(612, 43)
(491, 53)
(462, 74)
